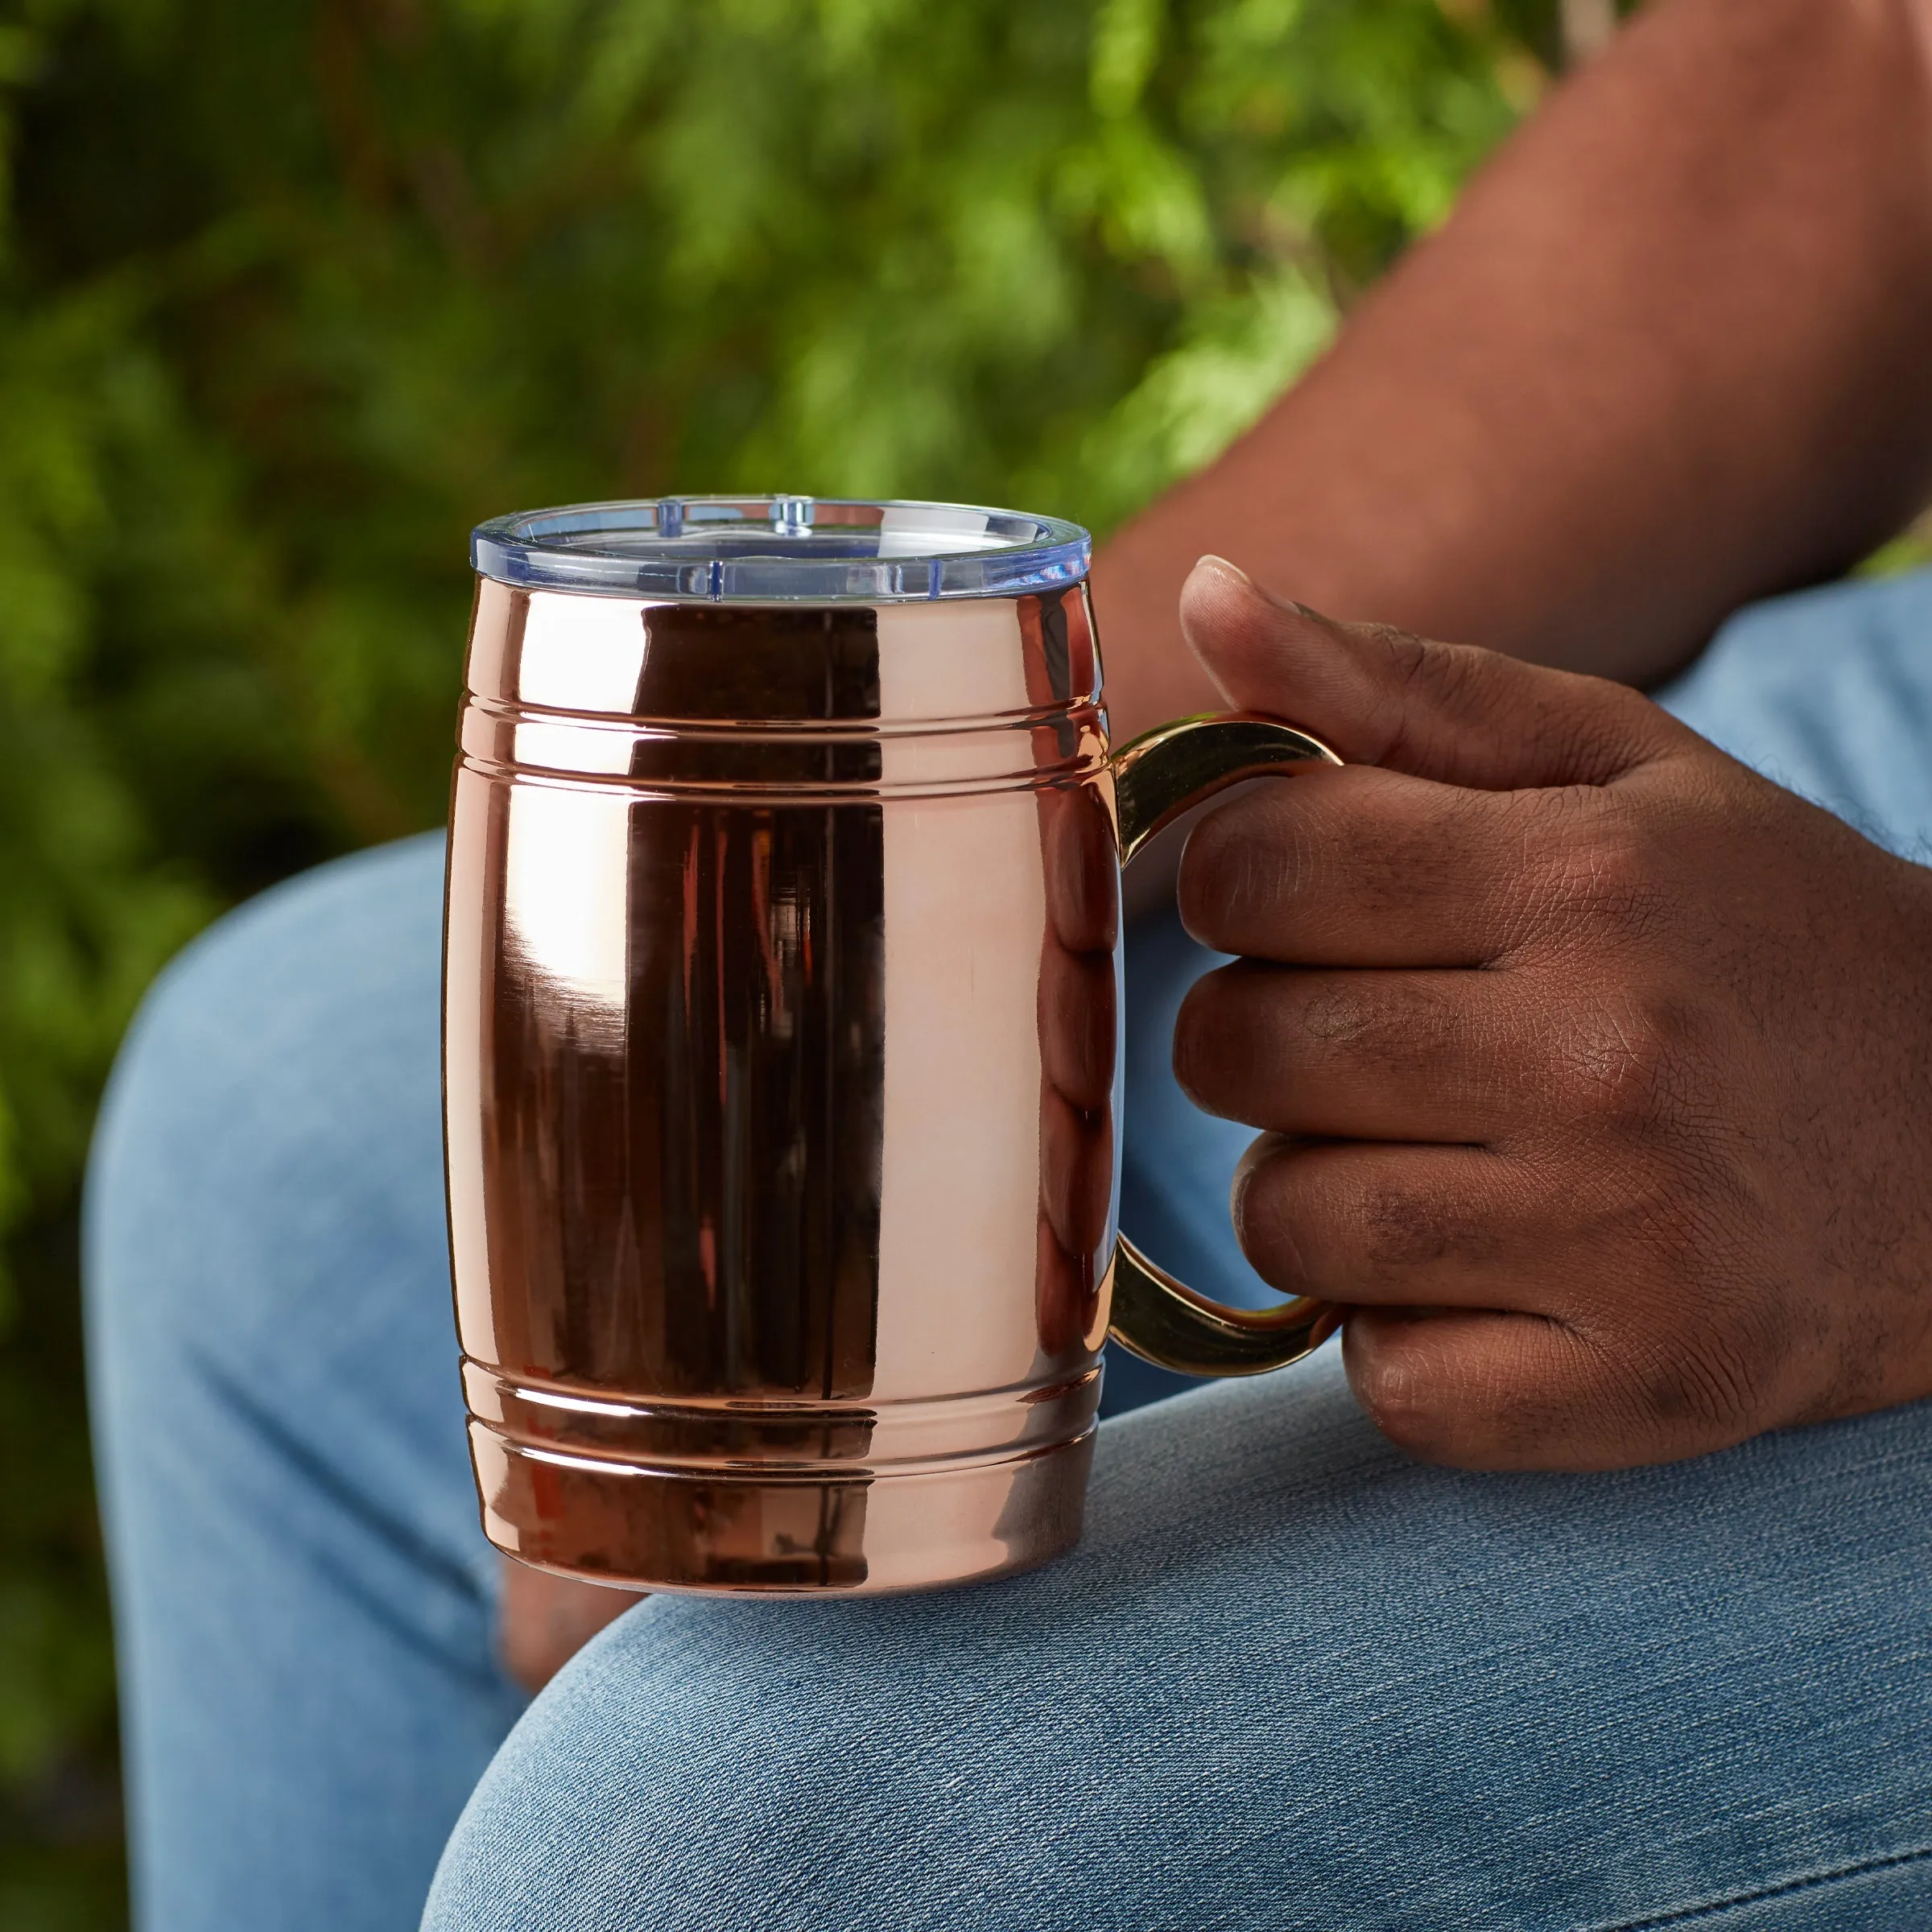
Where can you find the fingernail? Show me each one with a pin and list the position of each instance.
(1233, 570)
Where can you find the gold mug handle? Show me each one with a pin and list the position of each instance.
(1157, 777)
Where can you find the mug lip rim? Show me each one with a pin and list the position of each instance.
(557, 549)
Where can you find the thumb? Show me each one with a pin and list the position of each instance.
(1378, 697)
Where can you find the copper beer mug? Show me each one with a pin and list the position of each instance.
(783, 1042)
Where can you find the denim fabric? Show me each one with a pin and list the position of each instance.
(1290, 1679)
(303, 1600)
(1829, 692)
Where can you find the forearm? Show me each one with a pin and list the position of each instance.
(1668, 355)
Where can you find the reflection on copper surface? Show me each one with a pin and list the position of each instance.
(1079, 1025)
(780, 1049)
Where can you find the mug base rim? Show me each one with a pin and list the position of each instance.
(656, 1530)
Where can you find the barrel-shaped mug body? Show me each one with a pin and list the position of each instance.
(782, 1079)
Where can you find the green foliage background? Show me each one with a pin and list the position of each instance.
(292, 294)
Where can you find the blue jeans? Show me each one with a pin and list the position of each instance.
(1290, 1679)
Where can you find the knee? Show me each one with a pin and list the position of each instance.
(1289, 1676)
(999, 1757)
(778, 1768)
(287, 1059)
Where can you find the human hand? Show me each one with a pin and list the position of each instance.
(1596, 1070)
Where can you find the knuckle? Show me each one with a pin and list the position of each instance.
(1615, 1064)
(1450, 1393)
(1708, 1375)
(1419, 677)
(1416, 1392)
(1376, 1015)
(1263, 1207)
(1245, 866)
(1332, 1028)
(1403, 1227)
(1401, 1230)
(1636, 1058)
(1403, 1402)
(1695, 1341)
(1224, 1053)
(1498, 1391)
(1303, 1212)
(1596, 870)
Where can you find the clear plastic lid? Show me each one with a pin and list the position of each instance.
(782, 549)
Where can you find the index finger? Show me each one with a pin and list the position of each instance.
(1360, 866)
